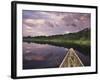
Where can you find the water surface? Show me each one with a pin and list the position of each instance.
(42, 55)
(46, 56)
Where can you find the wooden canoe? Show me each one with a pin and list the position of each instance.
(71, 59)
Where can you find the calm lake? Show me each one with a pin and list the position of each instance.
(46, 56)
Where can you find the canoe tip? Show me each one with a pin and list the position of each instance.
(71, 49)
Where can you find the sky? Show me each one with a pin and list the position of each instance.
(47, 23)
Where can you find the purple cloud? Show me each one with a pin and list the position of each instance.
(37, 23)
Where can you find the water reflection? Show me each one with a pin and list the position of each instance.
(42, 55)
(46, 56)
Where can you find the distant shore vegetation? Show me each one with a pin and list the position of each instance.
(79, 40)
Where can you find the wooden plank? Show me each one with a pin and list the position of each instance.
(71, 59)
